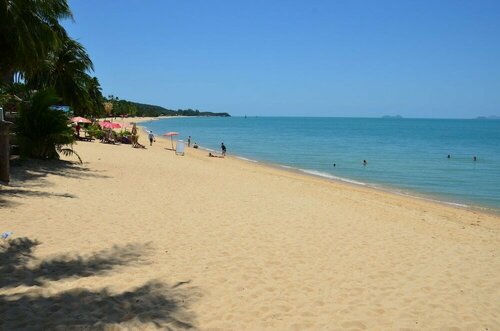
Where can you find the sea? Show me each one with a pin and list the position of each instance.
(406, 156)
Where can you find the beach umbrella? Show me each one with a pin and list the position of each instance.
(171, 134)
(110, 125)
(79, 119)
(104, 124)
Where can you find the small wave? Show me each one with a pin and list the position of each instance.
(419, 196)
(245, 159)
(457, 204)
(327, 175)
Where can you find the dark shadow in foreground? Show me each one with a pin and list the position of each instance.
(26, 171)
(161, 305)
(29, 174)
(154, 302)
(16, 254)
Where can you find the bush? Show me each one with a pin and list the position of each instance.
(95, 131)
(43, 132)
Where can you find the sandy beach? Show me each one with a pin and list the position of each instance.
(144, 239)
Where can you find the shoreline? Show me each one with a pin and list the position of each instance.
(439, 200)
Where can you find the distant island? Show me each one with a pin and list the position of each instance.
(488, 118)
(392, 116)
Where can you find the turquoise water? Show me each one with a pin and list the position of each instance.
(407, 155)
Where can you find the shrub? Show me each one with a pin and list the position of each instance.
(95, 131)
(43, 132)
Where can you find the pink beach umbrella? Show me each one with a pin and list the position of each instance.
(171, 134)
(104, 124)
(110, 125)
(79, 119)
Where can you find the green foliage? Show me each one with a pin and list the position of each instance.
(150, 110)
(29, 29)
(43, 132)
(66, 70)
(123, 107)
(95, 131)
(11, 96)
(35, 49)
(124, 133)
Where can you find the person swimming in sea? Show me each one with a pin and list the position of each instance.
(364, 162)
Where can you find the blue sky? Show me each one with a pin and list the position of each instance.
(298, 58)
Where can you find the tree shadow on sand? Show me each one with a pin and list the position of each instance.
(27, 175)
(155, 303)
(16, 255)
(32, 171)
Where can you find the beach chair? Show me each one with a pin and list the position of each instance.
(179, 148)
(86, 136)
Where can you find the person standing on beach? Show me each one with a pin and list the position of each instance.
(223, 148)
(77, 128)
(189, 141)
(151, 138)
(135, 138)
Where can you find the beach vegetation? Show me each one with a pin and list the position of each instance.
(29, 30)
(122, 107)
(66, 69)
(43, 131)
(38, 53)
(95, 131)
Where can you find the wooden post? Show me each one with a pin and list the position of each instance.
(4, 152)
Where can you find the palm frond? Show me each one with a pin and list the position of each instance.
(67, 151)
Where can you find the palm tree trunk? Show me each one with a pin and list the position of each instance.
(4, 152)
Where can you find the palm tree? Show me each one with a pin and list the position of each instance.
(29, 30)
(95, 97)
(65, 69)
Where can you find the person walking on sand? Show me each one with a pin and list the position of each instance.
(189, 141)
(151, 138)
(223, 148)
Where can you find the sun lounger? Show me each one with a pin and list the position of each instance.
(179, 148)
